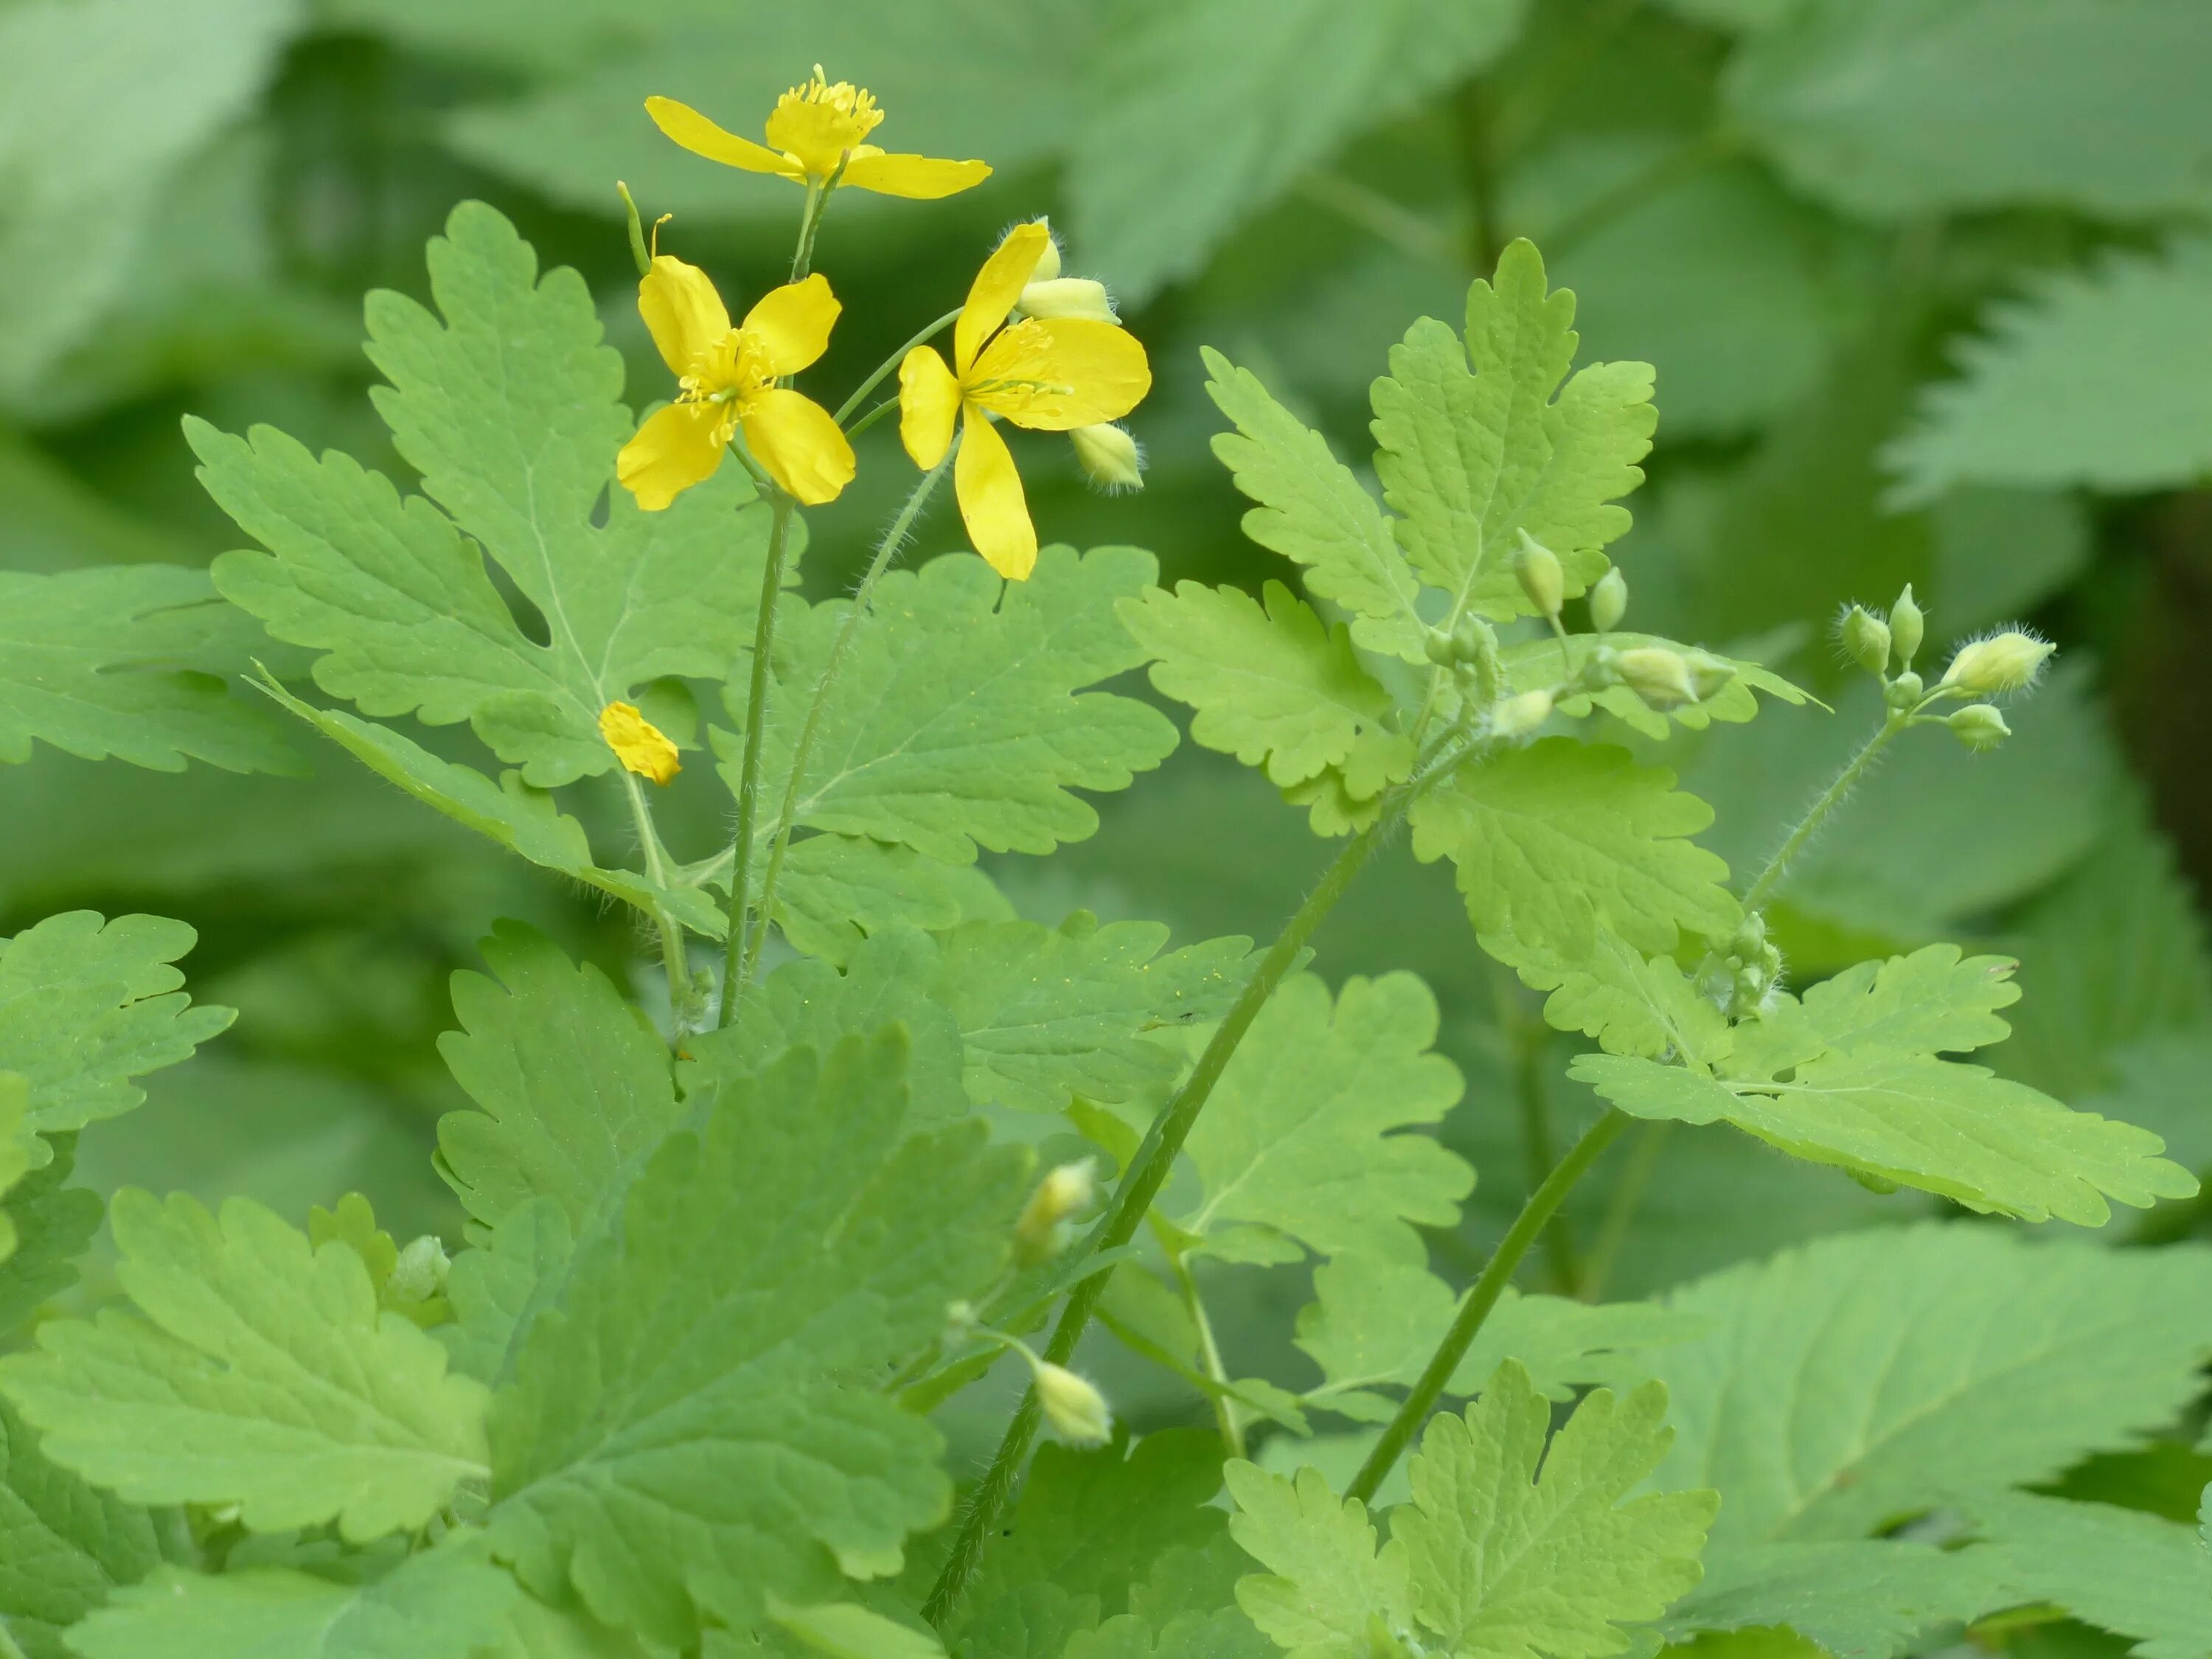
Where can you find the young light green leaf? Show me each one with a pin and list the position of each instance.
(1858, 1598)
(1225, 1633)
(64, 1547)
(1312, 509)
(250, 1370)
(1554, 839)
(1508, 1560)
(495, 1288)
(87, 1005)
(2136, 1574)
(509, 409)
(1867, 1378)
(1327, 1593)
(1277, 688)
(843, 1631)
(697, 1427)
(1631, 1003)
(49, 1225)
(129, 662)
(1296, 1148)
(1481, 442)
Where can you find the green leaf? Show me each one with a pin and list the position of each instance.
(1891, 108)
(1205, 112)
(444, 1603)
(87, 1005)
(1223, 1634)
(1554, 839)
(1296, 1144)
(960, 716)
(51, 1225)
(1862, 1379)
(1327, 1593)
(252, 1370)
(129, 662)
(1631, 1003)
(495, 1288)
(2138, 1576)
(1275, 687)
(2101, 378)
(1858, 1599)
(1312, 509)
(64, 1547)
(510, 412)
(1481, 442)
(697, 1426)
(846, 1632)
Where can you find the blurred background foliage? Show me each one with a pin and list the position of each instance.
(1927, 285)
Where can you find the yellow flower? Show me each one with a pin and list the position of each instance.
(638, 744)
(1051, 375)
(728, 380)
(815, 128)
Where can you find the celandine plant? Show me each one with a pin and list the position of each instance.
(675, 1395)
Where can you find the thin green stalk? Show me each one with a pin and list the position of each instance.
(743, 966)
(873, 416)
(1132, 1200)
(817, 198)
(1209, 1352)
(1380, 216)
(741, 844)
(673, 956)
(1809, 825)
(1612, 1231)
(860, 392)
(1480, 1300)
(1639, 187)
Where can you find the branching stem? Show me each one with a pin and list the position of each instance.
(860, 391)
(741, 843)
(1817, 814)
(683, 1006)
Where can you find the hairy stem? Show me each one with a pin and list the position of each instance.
(1480, 1300)
(860, 391)
(1132, 1200)
(683, 1006)
(741, 844)
(1817, 814)
(787, 815)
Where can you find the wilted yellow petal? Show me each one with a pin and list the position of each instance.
(792, 323)
(991, 504)
(678, 447)
(703, 138)
(798, 444)
(991, 296)
(1102, 367)
(929, 403)
(681, 309)
(918, 177)
(638, 744)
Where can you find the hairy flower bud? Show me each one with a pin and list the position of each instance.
(1979, 726)
(1905, 627)
(1708, 674)
(2007, 662)
(1904, 691)
(1658, 675)
(1068, 296)
(1517, 717)
(1109, 456)
(1542, 578)
(1866, 638)
(1040, 1233)
(1048, 265)
(1608, 601)
(1438, 645)
(1076, 1410)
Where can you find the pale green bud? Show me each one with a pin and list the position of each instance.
(1866, 638)
(1871, 1181)
(1608, 601)
(1906, 690)
(1542, 578)
(1979, 726)
(1708, 675)
(1076, 1411)
(1658, 675)
(1068, 296)
(1440, 647)
(1516, 717)
(420, 1272)
(1109, 456)
(1906, 625)
(1041, 1232)
(2009, 662)
(1048, 265)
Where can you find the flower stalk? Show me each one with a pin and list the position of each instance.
(741, 844)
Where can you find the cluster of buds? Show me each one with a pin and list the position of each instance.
(1110, 458)
(1753, 967)
(1470, 651)
(1993, 667)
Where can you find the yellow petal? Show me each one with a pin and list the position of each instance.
(991, 504)
(792, 323)
(638, 744)
(918, 177)
(678, 447)
(996, 286)
(684, 314)
(929, 402)
(796, 440)
(703, 138)
(817, 124)
(1101, 367)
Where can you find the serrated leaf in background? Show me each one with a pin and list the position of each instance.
(1327, 1592)
(1860, 1599)
(64, 1547)
(2136, 1574)
(50, 1224)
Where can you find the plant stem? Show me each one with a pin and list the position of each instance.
(1132, 1199)
(1209, 1350)
(1641, 185)
(741, 844)
(1809, 825)
(802, 258)
(894, 539)
(673, 956)
(1612, 1231)
(860, 392)
(1480, 1300)
(1471, 109)
(1376, 214)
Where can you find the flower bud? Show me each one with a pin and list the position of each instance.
(1516, 717)
(1439, 646)
(1904, 691)
(2009, 662)
(420, 1272)
(1905, 627)
(1658, 675)
(1048, 265)
(1076, 1411)
(1109, 456)
(1068, 296)
(1042, 1232)
(1866, 638)
(1542, 578)
(1608, 601)
(1708, 675)
(1979, 726)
